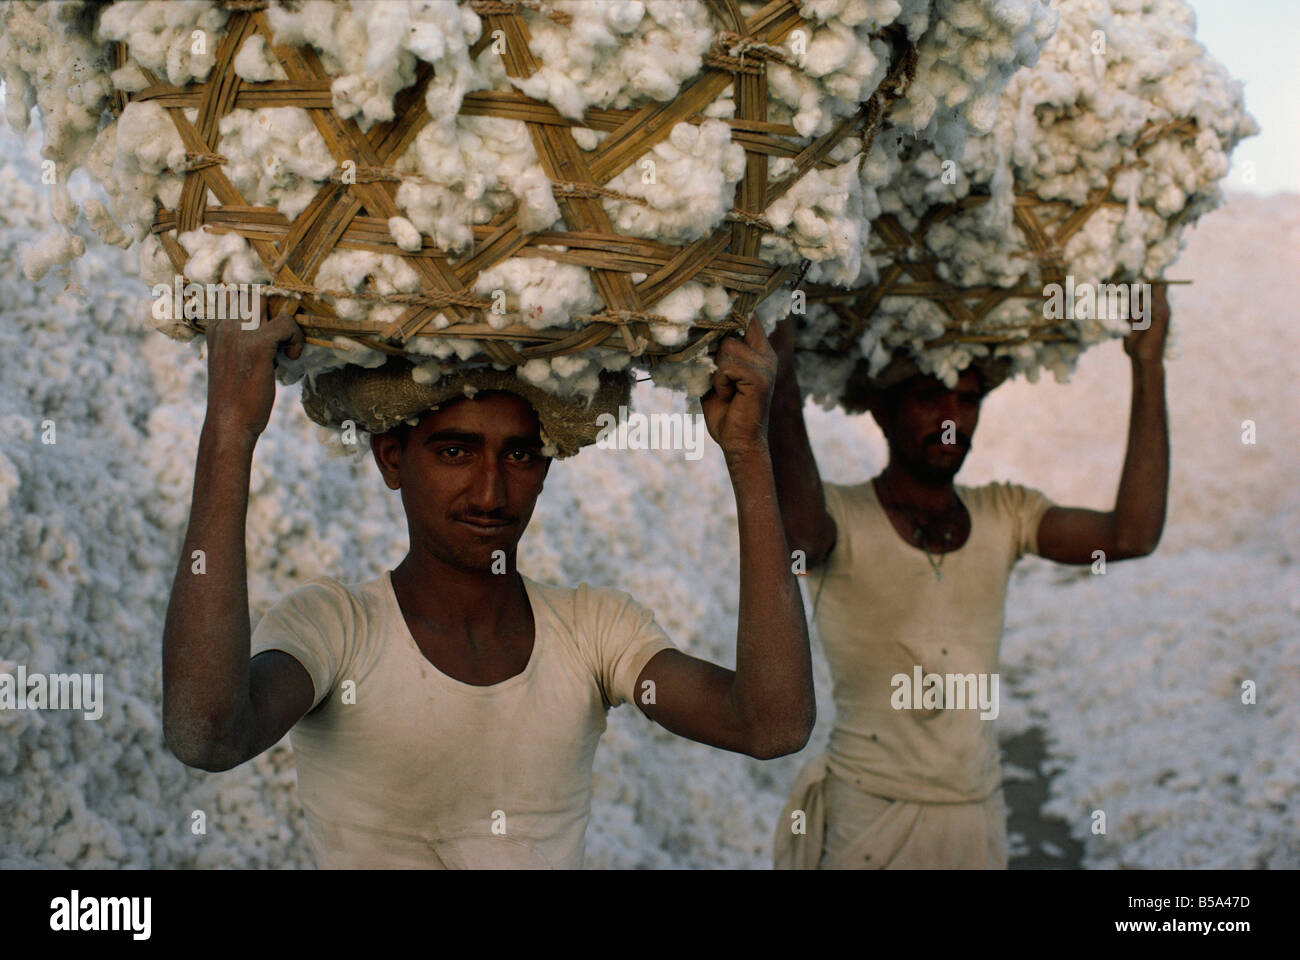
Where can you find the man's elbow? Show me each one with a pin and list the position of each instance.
(197, 751)
(816, 547)
(782, 743)
(1133, 547)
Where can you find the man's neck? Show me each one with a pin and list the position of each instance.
(458, 601)
(928, 496)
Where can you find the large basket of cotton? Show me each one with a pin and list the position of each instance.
(561, 188)
(1038, 242)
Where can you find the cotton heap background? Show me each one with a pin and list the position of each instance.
(1113, 70)
(462, 170)
(1134, 676)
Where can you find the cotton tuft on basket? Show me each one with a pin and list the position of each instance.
(464, 171)
(1123, 93)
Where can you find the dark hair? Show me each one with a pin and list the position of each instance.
(402, 433)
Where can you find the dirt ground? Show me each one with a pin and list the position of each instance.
(1036, 842)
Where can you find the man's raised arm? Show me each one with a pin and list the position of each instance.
(808, 527)
(1133, 528)
(765, 707)
(217, 711)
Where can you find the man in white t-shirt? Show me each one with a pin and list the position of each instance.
(909, 583)
(446, 713)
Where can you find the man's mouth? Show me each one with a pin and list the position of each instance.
(486, 524)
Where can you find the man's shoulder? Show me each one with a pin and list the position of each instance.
(852, 496)
(991, 489)
(327, 593)
(1005, 496)
(578, 602)
(857, 488)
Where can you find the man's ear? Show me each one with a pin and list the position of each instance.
(387, 451)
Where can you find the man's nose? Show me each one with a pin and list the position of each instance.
(949, 406)
(489, 490)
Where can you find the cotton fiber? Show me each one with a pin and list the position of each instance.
(1115, 73)
(462, 171)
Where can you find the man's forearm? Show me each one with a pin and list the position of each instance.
(206, 636)
(798, 482)
(773, 683)
(1144, 483)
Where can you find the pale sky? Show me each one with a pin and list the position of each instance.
(1257, 41)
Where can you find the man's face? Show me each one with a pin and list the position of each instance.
(924, 414)
(469, 475)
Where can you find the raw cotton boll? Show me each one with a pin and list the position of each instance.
(468, 173)
(148, 140)
(587, 139)
(404, 234)
(276, 156)
(153, 264)
(361, 47)
(799, 95)
(437, 347)
(255, 63)
(539, 292)
(694, 175)
(612, 359)
(174, 39)
(830, 49)
(536, 371)
(537, 206)
(209, 253)
(428, 372)
(623, 16)
(683, 304)
(569, 366)
(694, 378)
(1013, 34)
(55, 248)
(358, 270)
(850, 65)
(607, 58)
(316, 360)
(49, 63)
(717, 302)
(775, 308)
(102, 222)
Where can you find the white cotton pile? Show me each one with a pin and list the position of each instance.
(97, 435)
(1113, 69)
(461, 172)
(277, 157)
(49, 61)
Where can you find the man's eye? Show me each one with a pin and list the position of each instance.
(522, 456)
(452, 453)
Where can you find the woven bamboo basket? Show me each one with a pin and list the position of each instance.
(354, 215)
(1043, 227)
